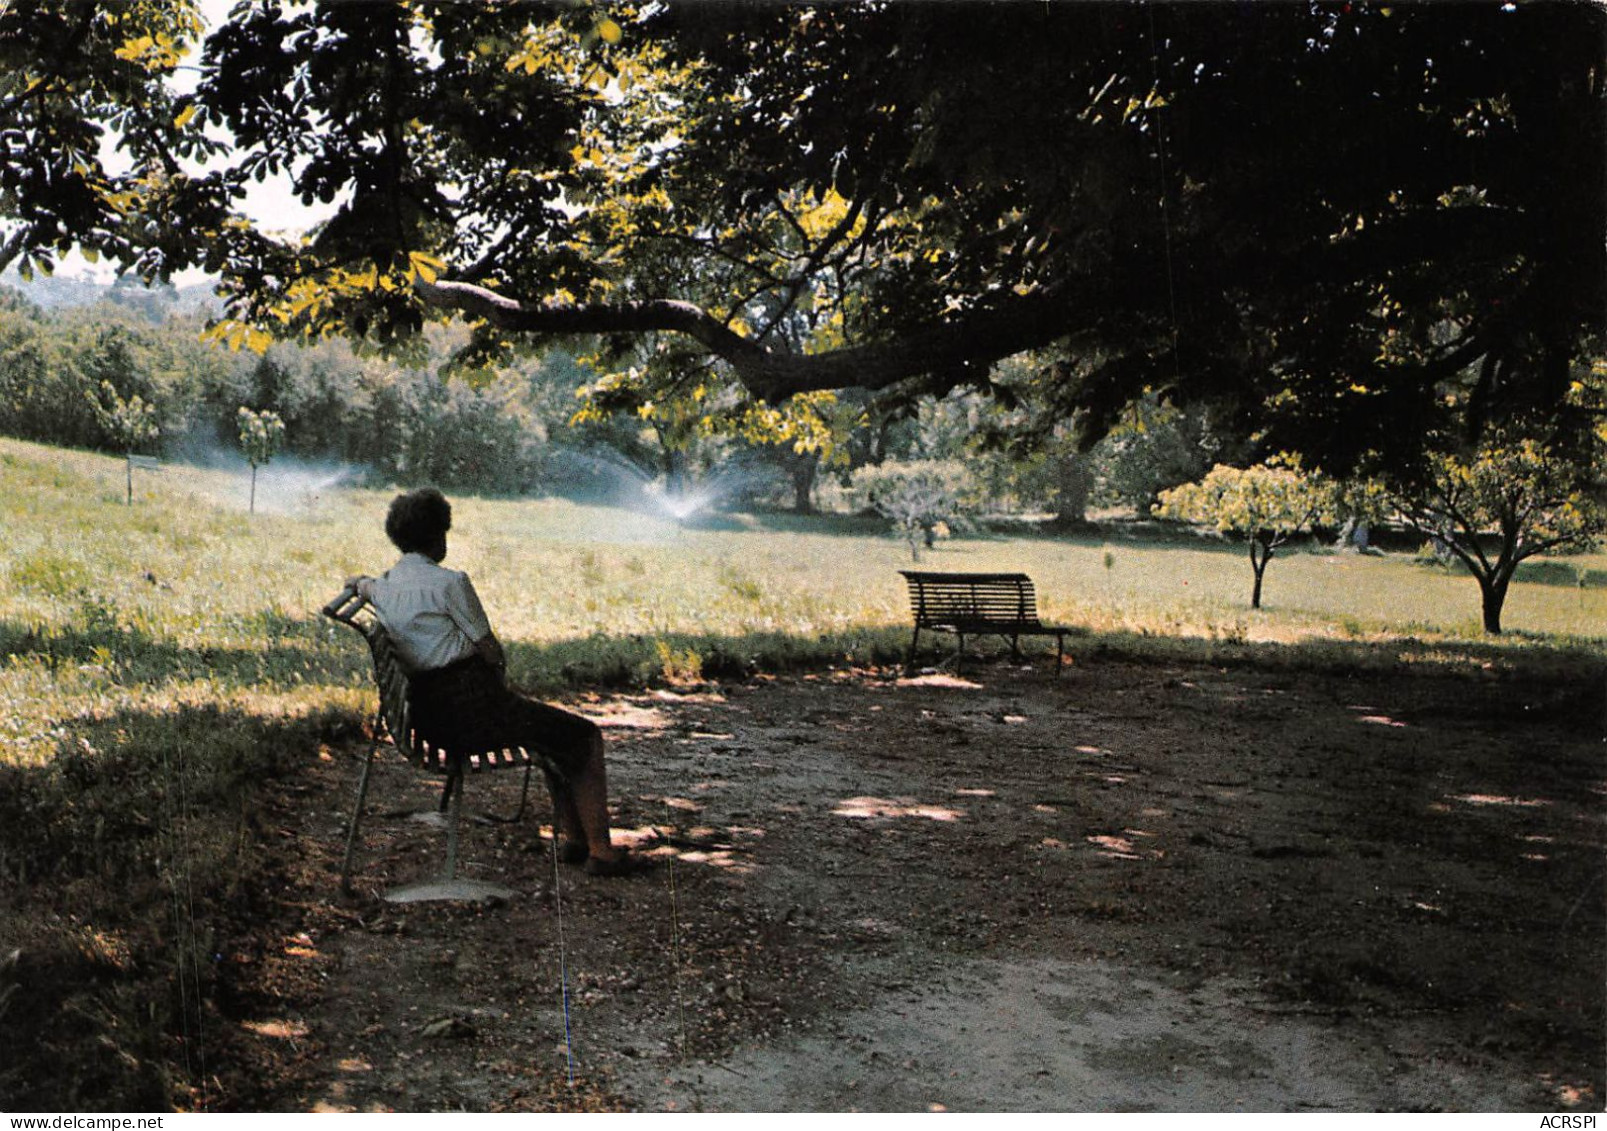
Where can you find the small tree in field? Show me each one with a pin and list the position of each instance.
(1264, 506)
(131, 424)
(261, 435)
(919, 498)
(1509, 500)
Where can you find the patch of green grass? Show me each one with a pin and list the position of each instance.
(49, 574)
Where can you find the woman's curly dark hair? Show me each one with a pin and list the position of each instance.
(418, 519)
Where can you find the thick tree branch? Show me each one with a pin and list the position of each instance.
(980, 336)
(1469, 234)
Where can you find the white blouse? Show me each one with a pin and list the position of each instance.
(432, 613)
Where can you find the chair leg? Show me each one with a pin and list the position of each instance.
(454, 786)
(524, 803)
(357, 817)
(524, 794)
(448, 886)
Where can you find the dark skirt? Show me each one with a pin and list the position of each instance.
(465, 707)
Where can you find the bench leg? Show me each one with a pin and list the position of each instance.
(356, 821)
(909, 664)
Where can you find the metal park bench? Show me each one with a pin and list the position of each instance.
(979, 604)
(434, 754)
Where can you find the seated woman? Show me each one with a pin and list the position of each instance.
(459, 698)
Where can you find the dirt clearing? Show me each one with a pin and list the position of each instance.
(1128, 888)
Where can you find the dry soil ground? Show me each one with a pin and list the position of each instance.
(1128, 888)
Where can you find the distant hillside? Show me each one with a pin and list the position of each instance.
(54, 291)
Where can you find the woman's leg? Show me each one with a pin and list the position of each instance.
(473, 705)
(589, 798)
(566, 825)
(580, 801)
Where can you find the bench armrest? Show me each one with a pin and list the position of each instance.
(345, 606)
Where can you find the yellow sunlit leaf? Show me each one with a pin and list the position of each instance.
(134, 48)
(426, 267)
(184, 117)
(609, 31)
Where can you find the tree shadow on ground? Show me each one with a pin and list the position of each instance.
(130, 858)
(1360, 840)
(292, 650)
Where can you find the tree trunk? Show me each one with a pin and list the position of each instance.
(253, 508)
(1074, 482)
(804, 473)
(1260, 555)
(674, 483)
(1493, 594)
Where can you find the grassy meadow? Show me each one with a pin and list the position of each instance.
(162, 660)
(185, 598)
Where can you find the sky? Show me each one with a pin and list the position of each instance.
(270, 203)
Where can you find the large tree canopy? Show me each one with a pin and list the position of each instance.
(1345, 221)
(74, 78)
